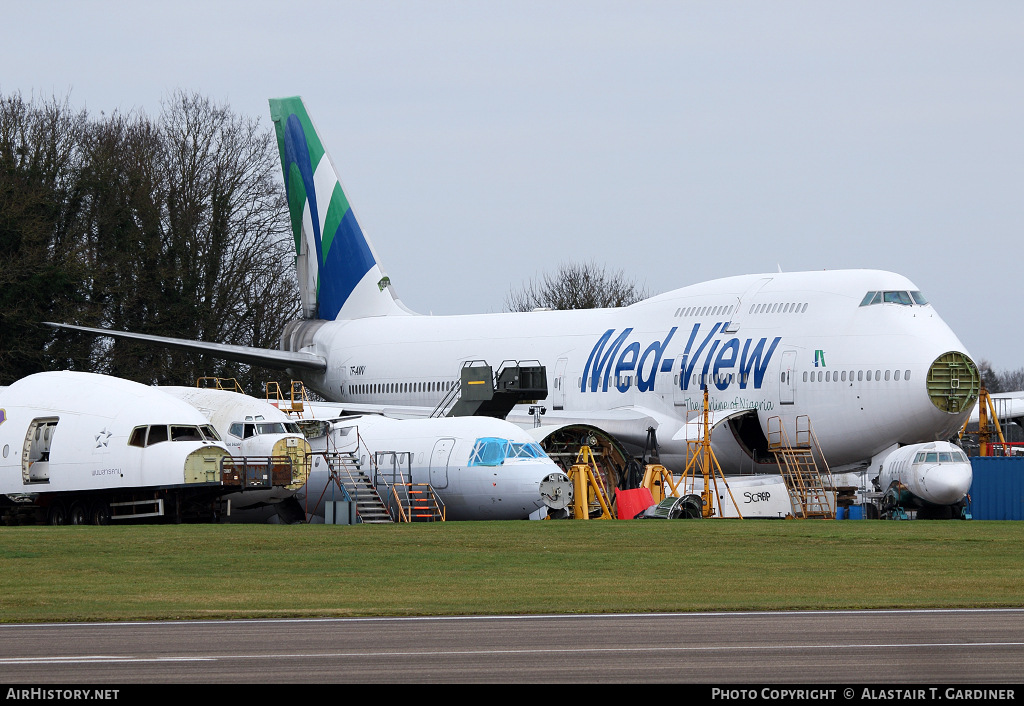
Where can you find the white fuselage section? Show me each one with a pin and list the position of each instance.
(439, 452)
(70, 431)
(777, 344)
(939, 473)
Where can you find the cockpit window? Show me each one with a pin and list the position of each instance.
(292, 427)
(182, 433)
(270, 428)
(900, 297)
(236, 430)
(210, 433)
(931, 458)
(531, 450)
(156, 435)
(250, 430)
(489, 451)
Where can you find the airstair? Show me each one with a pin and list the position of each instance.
(808, 489)
(405, 500)
(481, 392)
(353, 483)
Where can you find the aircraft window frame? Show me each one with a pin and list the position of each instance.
(150, 441)
(138, 437)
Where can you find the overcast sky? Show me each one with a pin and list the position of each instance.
(481, 144)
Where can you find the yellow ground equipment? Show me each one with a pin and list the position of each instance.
(660, 482)
(987, 425)
(589, 494)
(296, 402)
(229, 384)
(701, 459)
(807, 492)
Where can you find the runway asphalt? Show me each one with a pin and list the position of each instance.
(940, 646)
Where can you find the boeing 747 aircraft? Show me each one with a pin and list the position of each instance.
(860, 352)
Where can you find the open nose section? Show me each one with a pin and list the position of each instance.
(948, 483)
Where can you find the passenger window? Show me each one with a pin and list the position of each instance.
(896, 375)
(138, 437)
(156, 435)
(844, 376)
(805, 376)
(887, 376)
(860, 375)
(869, 376)
(878, 375)
(828, 376)
(906, 375)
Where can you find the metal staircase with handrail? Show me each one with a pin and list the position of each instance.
(808, 493)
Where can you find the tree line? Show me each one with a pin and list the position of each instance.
(174, 225)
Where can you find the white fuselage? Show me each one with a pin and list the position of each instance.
(744, 334)
(438, 452)
(70, 431)
(937, 473)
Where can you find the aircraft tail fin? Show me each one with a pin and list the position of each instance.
(340, 276)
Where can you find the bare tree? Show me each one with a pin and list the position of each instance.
(576, 285)
(175, 226)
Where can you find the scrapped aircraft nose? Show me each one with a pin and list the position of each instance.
(948, 483)
(953, 382)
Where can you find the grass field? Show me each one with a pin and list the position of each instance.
(217, 571)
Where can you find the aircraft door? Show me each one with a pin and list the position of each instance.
(439, 462)
(35, 452)
(786, 380)
(558, 401)
(678, 393)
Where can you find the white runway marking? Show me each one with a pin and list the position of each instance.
(94, 659)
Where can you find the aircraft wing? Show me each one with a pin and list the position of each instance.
(265, 357)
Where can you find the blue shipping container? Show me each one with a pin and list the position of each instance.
(997, 492)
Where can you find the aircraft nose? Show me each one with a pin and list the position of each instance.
(948, 483)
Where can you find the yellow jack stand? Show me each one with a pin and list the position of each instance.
(587, 484)
(659, 481)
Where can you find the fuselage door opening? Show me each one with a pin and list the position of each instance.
(786, 385)
(439, 462)
(35, 452)
(558, 401)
